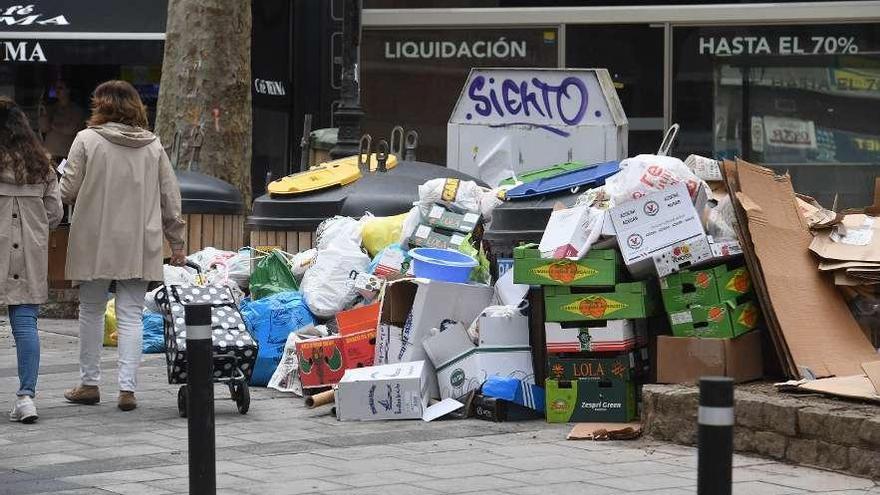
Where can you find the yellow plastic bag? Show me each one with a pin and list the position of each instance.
(110, 336)
(381, 232)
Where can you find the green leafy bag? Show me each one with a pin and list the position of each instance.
(271, 276)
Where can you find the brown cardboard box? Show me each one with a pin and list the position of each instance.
(686, 359)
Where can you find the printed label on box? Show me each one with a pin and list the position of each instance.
(596, 307)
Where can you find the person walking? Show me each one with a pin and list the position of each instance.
(30, 205)
(125, 196)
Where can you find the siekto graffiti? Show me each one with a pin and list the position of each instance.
(564, 104)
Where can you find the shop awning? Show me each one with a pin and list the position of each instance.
(46, 20)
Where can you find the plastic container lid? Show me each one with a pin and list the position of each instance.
(382, 194)
(202, 193)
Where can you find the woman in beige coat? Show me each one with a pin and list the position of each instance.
(125, 196)
(29, 206)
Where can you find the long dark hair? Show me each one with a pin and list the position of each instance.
(20, 149)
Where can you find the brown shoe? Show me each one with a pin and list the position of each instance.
(83, 394)
(127, 402)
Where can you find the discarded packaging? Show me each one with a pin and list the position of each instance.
(686, 359)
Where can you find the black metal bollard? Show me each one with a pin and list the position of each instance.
(715, 436)
(200, 400)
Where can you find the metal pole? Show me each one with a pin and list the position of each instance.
(200, 400)
(715, 436)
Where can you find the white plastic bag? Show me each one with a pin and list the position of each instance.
(302, 262)
(327, 286)
(645, 174)
(208, 257)
(456, 194)
(338, 229)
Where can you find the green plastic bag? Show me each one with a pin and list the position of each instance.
(271, 276)
(480, 273)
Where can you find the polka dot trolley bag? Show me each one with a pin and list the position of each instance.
(234, 347)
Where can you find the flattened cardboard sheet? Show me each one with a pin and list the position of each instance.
(816, 326)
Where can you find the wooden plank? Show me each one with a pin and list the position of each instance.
(207, 231)
(305, 241)
(194, 228)
(292, 246)
(232, 244)
(218, 231)
(242, 231)
(271, 238)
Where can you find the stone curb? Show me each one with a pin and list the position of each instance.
(826, 434)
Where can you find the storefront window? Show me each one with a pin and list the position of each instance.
(800, 98)
(413, 78)
(634, 57)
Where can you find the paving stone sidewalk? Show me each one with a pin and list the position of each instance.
(282, 448)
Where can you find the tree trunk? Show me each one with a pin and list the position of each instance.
(206, 86)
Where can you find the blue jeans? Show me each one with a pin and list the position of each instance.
(23, 318)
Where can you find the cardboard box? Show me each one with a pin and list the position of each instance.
(570, 230)
(508, 330)
(500, 410)
(426, 236)
(590, 401)
(444, 219)
(463, 367)
(599, 268)
(358, 319)
(617, 368)
(323, 361)
(394, 391)
(695, 251)
(393, 264)
(359, 349)
(686, 359)
(411, 308)
(607, 336)
(704, 287)
(719, 321)
(655, 223)
(627, 301)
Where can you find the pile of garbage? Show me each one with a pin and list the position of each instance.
(654, 273)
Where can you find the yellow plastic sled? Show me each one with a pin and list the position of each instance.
(328, 174)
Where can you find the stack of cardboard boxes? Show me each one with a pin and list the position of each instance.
(595, 333)
(712, 313)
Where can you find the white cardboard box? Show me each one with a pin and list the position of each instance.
(504, 330)
(607, 336)
(393, 391)
(463, 367)
(412, 307)
(655, 225)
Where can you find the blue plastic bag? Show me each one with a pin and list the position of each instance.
(270, 320)
(516, 391)
(154, 333)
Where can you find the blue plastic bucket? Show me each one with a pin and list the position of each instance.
(444, 265)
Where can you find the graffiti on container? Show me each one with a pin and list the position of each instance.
(513, 99)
